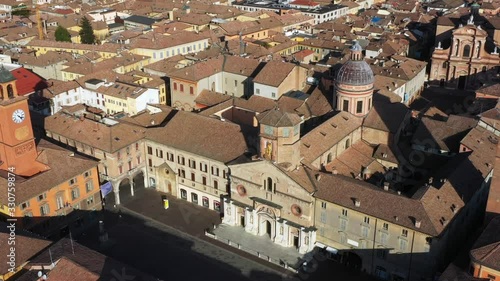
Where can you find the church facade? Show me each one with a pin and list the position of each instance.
(469, 61)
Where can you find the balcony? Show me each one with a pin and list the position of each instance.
(66, 209)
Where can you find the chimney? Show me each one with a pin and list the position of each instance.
(386, 186)
(417, 223)
(318, 177)
(335, 172)
(81, 117)
(357, 203)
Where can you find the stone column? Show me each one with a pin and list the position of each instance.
(146, 178)
(131, 181)
(228, 212)
(116, 191)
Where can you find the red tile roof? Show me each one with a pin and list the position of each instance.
(304, 3)
(27, 81)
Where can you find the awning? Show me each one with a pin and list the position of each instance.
(332, 250)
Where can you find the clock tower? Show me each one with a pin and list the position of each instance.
(17, 143)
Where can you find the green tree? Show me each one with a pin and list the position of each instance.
(62, 34)
(86, 33)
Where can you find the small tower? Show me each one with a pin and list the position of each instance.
(8, 89)
(354, 84)
(280, 136)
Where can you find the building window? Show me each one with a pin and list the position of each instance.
(343, 224)
(257, 91)
(204, 180)
(203, 167)
(89, 186)
(192, 163)
(404, 233)
(445, 64)
(215, 171)
(217, 206)
(323, 205)
(42, 196)
(72, 181)
(403, 244)
(344, 212)
(150, 162)
(182, 87)
(345, 105)
(181, 160)
(491, 277)
(182, 173)
(385, 226)
(193, 177)
(87, 174)
(44, 210)
(466, 52)
(25, 205)
(170, 156)
(286, 132)
(137, 146)
(322, 217)
(120, 169)
(191, 90)
(365, 231)
(216, 184)
(384, 237)
(347, 143)
(204, 201)
(75, 193)
(60, 202)
(194, 198)
(366, 220)
(90, 201)
(273, 94)
(150, 150)
(183, 194)
(175, 86)
(359, 107)
(269, 184)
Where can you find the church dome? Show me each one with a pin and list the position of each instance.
(355, 73)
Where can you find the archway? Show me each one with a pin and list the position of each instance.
(124, 191)
(267, 226)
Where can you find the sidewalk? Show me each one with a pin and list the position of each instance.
(258, 244)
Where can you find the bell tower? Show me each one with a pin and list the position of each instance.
(17, 143)
(280, 136)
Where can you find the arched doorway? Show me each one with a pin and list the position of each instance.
(124, 190)
(268, 228)
(139, 181)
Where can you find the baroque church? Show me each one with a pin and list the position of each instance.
(468, 59)
(273, 194)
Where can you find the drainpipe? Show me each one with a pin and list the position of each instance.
(411, 255)
(373, 249)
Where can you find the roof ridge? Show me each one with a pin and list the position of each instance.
(489, 253)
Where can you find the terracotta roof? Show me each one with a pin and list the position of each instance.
(92, 133)
(385, 153)
(325, 136)
(274, 72)
(278, 118)
(374, 201)
(386, 117)
(210, 98)
(27, 245)
(493, 90)
(354, 159)
(27, 81)
(204, 136)
(157, 41)
(486, 249)
(87, 260)
(147, 118)
(59, 167)
(443, 135)
(66, 269)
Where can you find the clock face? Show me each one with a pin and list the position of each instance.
(18, 116)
